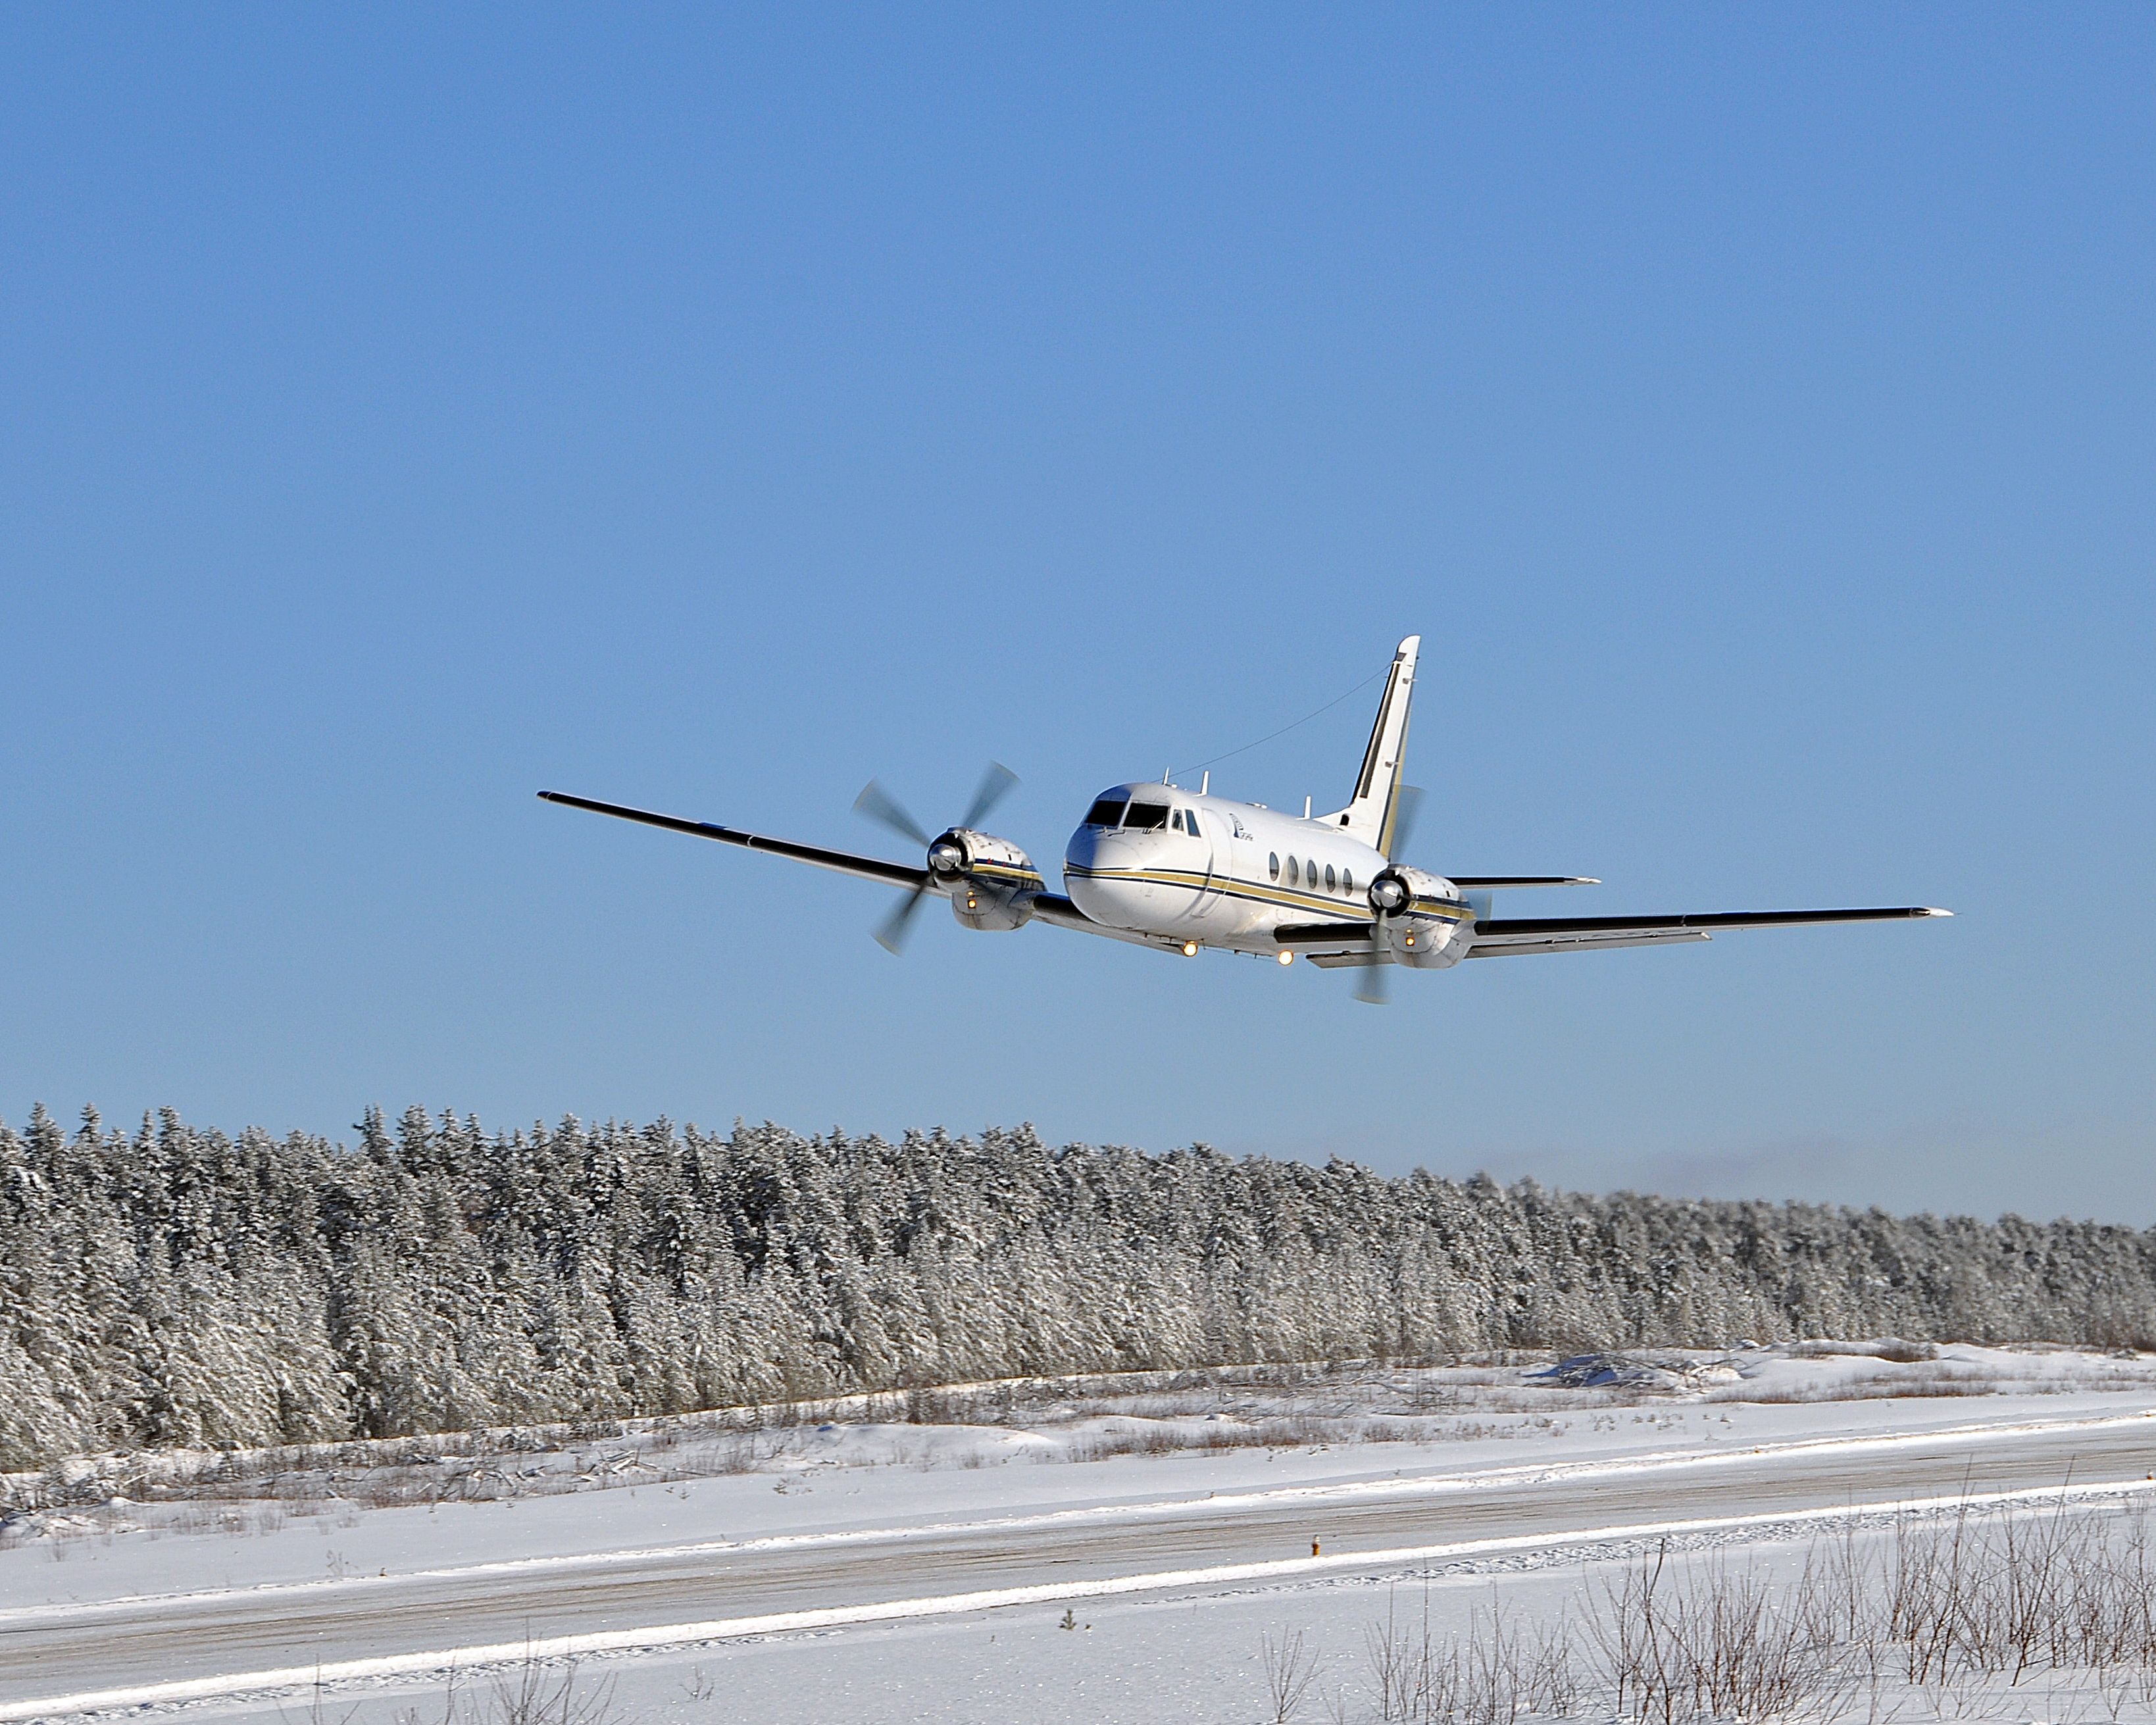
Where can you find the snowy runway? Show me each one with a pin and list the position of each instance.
(113, 1646)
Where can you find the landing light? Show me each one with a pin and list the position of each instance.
(1287, 958)
(1190, 949)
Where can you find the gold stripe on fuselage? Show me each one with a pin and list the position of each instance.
(1260, 892)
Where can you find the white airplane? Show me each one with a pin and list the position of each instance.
(1153, 865)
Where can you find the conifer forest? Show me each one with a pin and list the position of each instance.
(177, 1286)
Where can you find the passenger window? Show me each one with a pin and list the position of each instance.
(1146, 817)
(1190, 822)
(1309, 874)
(1294, 872)
(1108, 812)
(1331, 883)
(1346, 881)
(1272, 864)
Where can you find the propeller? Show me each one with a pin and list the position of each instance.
(1404, 819)
(1373, 982)
(946, 861)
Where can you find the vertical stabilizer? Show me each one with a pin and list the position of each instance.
(1375, 810)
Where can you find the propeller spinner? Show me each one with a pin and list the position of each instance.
(1387, 894)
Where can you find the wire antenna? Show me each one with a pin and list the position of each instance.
(1285, 729)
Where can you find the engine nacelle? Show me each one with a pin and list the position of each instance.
(1422, 920)
(992, 882)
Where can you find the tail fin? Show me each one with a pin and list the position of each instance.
(1374, 813)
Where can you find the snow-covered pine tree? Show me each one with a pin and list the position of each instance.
(174, 1285)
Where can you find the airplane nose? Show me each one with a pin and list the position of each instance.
(1094, 870)
(1091, 848)
(1097, 848)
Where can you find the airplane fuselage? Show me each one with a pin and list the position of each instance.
(1157, 860)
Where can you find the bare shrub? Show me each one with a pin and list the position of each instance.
(2001, 1593)
(1290, 1669)
(1955, 1606)
(538, 1692)
(1553, 1683)
(1394, 1673)
(1494, 1674)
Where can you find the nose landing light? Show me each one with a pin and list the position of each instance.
(1190, 949)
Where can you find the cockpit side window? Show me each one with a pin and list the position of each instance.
(1190, 822)
(1146, 817)
(1108, 811)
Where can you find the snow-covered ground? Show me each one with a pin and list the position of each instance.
(854, 1565)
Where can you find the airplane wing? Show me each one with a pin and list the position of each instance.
(1047, 906)
(1330, 943)
(1476, 882)
(1500, 936)
(1333, 944)
(867, 868)
(1059, 912)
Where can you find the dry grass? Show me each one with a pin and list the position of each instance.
(1888, 1347)
(1928, 1379)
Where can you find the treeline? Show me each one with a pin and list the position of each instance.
(177, 1286)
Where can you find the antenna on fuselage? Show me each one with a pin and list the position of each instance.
(1306, 807)
(1205, 784)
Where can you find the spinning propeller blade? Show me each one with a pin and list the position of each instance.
(890, 934)
(943, 859)
(995, 785)
(881, 806)
(1373, 982)
(1404, 819)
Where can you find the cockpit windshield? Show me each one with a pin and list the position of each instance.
(1108, 810)
(1145, 815)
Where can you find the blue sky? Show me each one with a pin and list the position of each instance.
(402, 410)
